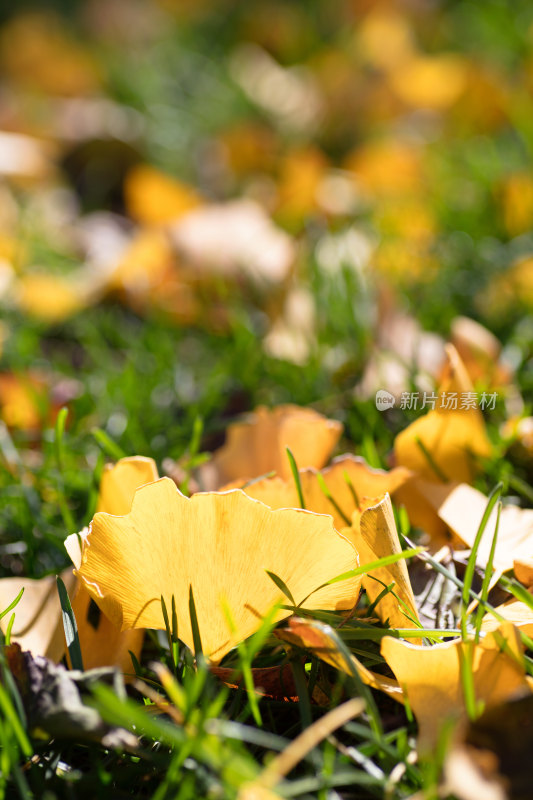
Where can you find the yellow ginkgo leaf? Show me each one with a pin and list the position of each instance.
(38, 52)
(523, 570)
(480, 352)
(220, 546)
(235, 240)
(101, 642)
(387, 167)
(20, 400)
(433, 82)
(385, 37)
(462, 510)
(432, 676)
(154, 198)
(38, 624)
(348, 480)
(312, 635)
(413, 495)
(52, 298)
(258, 445)
(119, 482)
(144, 264)
(520, 614)
(516, 200)
(374, 535)
(301, 173)
(443, 444)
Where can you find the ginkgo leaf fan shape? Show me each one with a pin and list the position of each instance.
(221, 545)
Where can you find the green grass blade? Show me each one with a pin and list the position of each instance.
(70, 626)
(364, 568)
(197, 641)
(9, 629)
(493, 498)
(296, 476)
(11, 715)
(517, 590)
(61, 421)
(106, 443)
(487, 576)
(12, 605)
(326, 492)
(431, 461)
(282, 586)
(353, 492)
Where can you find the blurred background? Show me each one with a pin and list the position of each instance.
(205, 206)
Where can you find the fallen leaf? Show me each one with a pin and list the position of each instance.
(235, 239)
(520, 614)
(515, 197)
(20, 399)
(433, 82)
(38, 52)
(431, 676)
(348, 479)
(462, 510)
(38, 625)
(154, 198)
(119, 482)
(523, 570)
(143, 265)
(53, 298)
(387, 167)
(169, 544)
(480, 352)
(493, 759)
(373, 533)
(274, 682)
(258, 445)
(25, 157)
(453, 436)
(317, 637)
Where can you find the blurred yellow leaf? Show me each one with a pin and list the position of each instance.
(514, 611)
(38, 52)
(516, 200)
(301, 174)
(387, 167)
(385, 38)
(444, 443)
(144, 265)
(120, 481)
(462, 509)
(154, 198)
(431, 82)
(51, 298)
(258, 445)
(480, 352)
